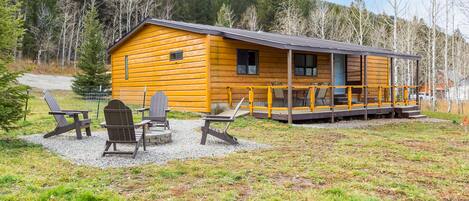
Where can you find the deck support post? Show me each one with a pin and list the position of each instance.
(332, 88)
(290, 90)
(269, 102)
(417, 88)
(365, 81)
(391, 70)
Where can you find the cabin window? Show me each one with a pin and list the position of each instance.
(126, 66)
(306, 65)
(248, 62)
(177, 55)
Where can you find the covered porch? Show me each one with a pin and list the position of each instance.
(348, 92)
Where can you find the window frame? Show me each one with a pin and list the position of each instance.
(305, 67)
(176, 53)
(126, 67)
(256, 53)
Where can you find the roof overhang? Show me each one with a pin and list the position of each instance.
(271, 43)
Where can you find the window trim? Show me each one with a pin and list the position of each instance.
(181, 52)
(315, 63)
(247, 66)
(126, 66)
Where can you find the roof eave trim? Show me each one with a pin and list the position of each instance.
(315, 49)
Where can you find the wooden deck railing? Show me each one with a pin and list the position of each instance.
(381, 92)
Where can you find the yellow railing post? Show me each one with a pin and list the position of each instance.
(380, 96)
(269, 102)
(312, 98)
(349, 97)
(230, 97)
(406, 95)
(251, 100)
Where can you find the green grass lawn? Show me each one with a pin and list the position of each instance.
(410, 161)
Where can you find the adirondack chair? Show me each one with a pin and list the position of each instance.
(121, 128)
(279, 95)
(223, 134)
(158, 111)
(321, 95)
(63, 125)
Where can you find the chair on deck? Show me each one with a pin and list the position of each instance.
(223, 134)
(121, 128)
(63, 125)
(278, 94)
(158, 111)
(321, 94)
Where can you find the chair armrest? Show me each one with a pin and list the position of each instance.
(216, 116)
(219, 119)
(142, 109)
(64, 113)
(79, 111)
(142, 123)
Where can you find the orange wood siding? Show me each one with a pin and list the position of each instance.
(353, 68)
(272, 68)
(184, 81)
(377, 73)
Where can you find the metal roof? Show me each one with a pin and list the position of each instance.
(275, 40)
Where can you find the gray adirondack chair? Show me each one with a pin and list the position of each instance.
(158, 111)
(220, 134)
(121, 128)
(63, 125)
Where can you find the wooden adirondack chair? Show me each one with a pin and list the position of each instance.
(158, 111)
(63, 125)
(223, 135)
(121, 128)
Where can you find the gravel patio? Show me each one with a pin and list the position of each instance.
(185, 145)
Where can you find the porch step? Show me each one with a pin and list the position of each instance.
(410, 113)
(420, 116)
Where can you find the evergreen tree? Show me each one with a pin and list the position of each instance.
(92, 58)
(13, 96)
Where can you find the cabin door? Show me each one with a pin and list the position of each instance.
(339, 73)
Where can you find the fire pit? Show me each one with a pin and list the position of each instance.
(158, 136)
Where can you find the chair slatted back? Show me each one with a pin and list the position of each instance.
(119, 122)
(234, 114)
(158, 106)
(278, 93)
(54, 106)
(322, 92)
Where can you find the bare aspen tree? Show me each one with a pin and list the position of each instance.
(289, 19)
(433, 56)
(446, 55)
(318, 20)
(225, 17)
(396, 7)
(249, 19)
(359, 21)
(167, 9)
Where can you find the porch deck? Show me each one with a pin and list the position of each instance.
(399, 101)
(302, 115)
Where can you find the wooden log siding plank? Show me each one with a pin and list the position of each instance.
(183, 81)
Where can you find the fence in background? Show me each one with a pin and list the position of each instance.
(93, 101)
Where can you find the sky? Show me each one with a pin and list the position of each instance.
(420, 8)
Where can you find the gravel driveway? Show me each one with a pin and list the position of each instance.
(185, 145)
(49, 82)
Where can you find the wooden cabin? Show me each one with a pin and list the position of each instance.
(204, 68)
